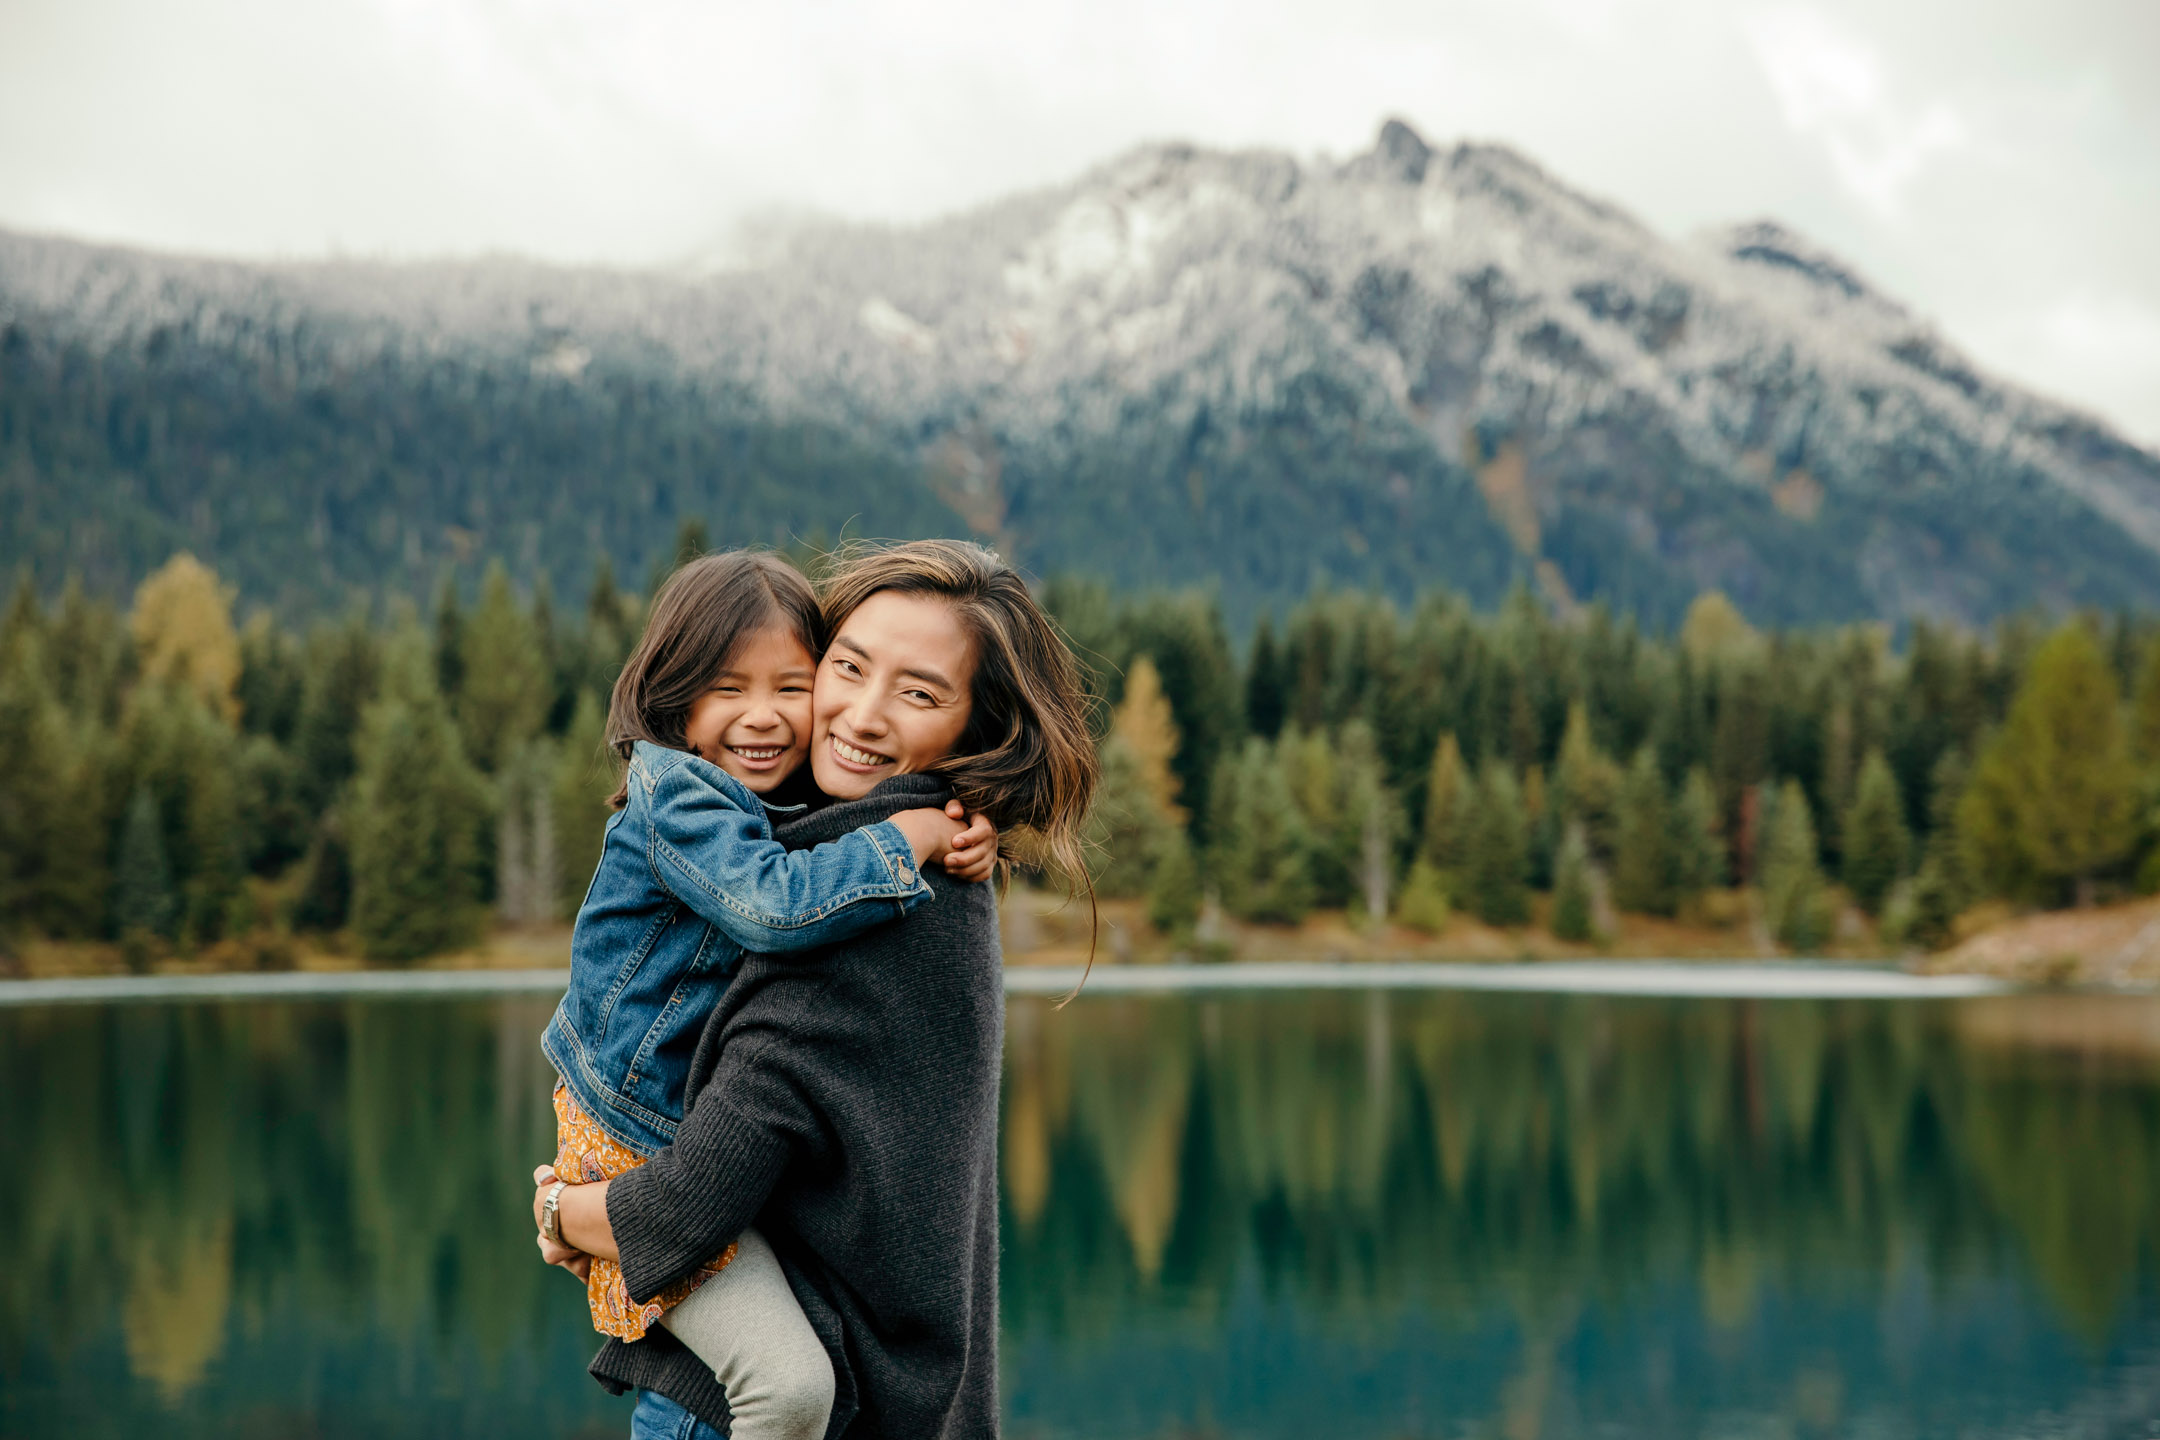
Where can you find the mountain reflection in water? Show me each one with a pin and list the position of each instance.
(1289, 1215)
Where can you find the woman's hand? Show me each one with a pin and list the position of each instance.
(974, 851)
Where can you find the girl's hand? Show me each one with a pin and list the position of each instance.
(577, 1262)
(974, 851)
(929, 832)
(581, 1219)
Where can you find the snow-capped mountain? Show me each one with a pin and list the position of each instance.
(1426, 365)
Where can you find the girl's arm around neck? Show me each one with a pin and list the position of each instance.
(718, 856)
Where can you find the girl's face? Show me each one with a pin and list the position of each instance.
(754, 719)
(893, 695)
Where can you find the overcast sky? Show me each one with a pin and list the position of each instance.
(1996, 163)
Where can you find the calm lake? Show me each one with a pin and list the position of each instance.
(1309, 1215)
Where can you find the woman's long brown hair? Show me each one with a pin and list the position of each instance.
(1027, 758)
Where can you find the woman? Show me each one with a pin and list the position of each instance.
(847, 1099)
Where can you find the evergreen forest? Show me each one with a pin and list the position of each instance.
(391, 781)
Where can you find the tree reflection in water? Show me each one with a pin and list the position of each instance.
(1322, 1214)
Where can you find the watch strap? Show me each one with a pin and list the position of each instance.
(551, 1213)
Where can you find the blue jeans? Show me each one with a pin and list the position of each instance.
(659, 1418)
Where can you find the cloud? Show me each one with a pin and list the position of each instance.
(2098, 351)
(1978, 158)
(1830, 87)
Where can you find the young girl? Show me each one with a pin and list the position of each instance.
(711, 713)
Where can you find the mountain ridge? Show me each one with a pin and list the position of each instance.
(1424, 364)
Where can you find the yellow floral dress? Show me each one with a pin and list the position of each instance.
(585, 1153)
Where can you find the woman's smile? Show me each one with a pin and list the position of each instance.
(855, 758)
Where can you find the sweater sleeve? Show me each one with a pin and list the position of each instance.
(716, 854)
(683, 1206)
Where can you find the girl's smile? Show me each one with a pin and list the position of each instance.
(754, 720)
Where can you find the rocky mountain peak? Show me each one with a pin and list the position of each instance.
(1399, 153)
(1430, 365)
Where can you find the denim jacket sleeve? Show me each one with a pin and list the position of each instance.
(713, 849)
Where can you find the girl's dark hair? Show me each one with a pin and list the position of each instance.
(704, 611)
(1027, 759)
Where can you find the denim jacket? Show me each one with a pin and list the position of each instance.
(690, 877)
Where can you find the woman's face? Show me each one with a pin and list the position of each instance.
(893, 693)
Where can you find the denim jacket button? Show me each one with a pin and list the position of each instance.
(905, 871)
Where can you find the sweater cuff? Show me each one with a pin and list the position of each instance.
(675, 1213)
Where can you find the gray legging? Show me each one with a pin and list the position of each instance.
(747, 1325)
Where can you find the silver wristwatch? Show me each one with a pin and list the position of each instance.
(550, 1213)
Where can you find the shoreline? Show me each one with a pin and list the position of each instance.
(2112, 949)
(1654, 979)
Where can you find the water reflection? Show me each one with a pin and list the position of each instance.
(1339, 1215)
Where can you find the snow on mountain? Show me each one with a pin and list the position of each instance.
(1643, 417)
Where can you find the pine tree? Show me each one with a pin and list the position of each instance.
(2053, 800)
(25, 616)
(1129, 830)
(1795, 905)
(1838, 782)
(1740, 756)
(1267, 698)
(274, 827)
(272, 675)
(1260, 853)
(1450, 802)
(1173, 893)
(561, 664)
(143, 902)
(1573, 900)
(344, 665)
(58, 775)
(89, 655)
(1943, 887)
(1586, 786)
(325, 899)
(2145, 707)
(415, 820)
(1876, 839)
(1697, 851)
(1642, 857)
(1185, 637)
(190, 761)
(1496, 869)
(505, 699)
(610, 627)
(586, 772)
(449, 639)
(1309, 760)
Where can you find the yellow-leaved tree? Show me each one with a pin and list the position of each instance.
(2053, 801)
(1144, 722)
(184, 633)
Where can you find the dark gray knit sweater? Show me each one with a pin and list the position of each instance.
(846, 1102)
